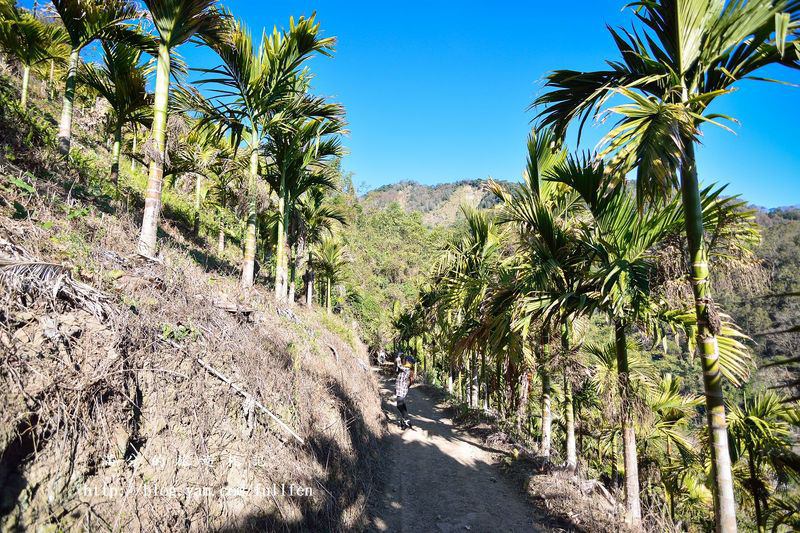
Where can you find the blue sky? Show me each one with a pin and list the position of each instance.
(438, 91)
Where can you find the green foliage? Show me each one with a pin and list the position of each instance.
(391, 252)
(178, 332)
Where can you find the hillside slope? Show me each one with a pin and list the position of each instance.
(779, 251)
(439, 204)
(131, 391)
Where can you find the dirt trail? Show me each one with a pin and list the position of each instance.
(439, 479)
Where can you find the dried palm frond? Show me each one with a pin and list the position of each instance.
(37, 279)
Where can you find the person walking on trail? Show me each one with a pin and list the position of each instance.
(405, 376)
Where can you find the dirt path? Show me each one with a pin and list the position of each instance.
(438, 479)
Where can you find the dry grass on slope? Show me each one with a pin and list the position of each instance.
(107, 420)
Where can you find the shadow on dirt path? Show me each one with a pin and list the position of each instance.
(439, 479)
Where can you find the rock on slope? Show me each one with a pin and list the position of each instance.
(108, 420)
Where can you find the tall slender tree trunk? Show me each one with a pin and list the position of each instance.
(134, 146)
(633, 508)
(547, 415)
(614, 469)
(152, 198)
(474, 400)
(754, 490)
(708, 325)
(298, 253)
(450, 379)
(309, 281)
(292, 274)
(524, 392)
(498, 394)
(484, 382)
(328, 295)
(115, 150)
(65, 124)
(281, 268)
(569, 419)
(221, 239)
(26, 80)
(249, 260)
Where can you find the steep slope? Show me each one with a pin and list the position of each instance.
(133, 393)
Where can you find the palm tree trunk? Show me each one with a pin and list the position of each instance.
(134, 147)
(614, 469)
(221, 239)
(115, 158)
(65, 125)
(152, 199)
(297, 259)
(249, 260)
(498, 394)
(707, 328)
(281, 263)
(309, 281)
(754, 489)
(632, 495)
(473, 382)
(26, 79)
(450, 380)
(328, 294)
(524, 393)
(569, 418)
(547, 415)
(484, 383)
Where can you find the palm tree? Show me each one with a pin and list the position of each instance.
(201, 156)
(552, 263)
(668, 433)
(86, 21)
(228, 174)
(761, 432)
(122, 81)
(175, 22)
(31, 42)
(317, 220)
(622, 378)
(301, 150)
(59, 52)
(253, 89)
(468, 272)
(330, 259)
(688, 53)
(622, 242)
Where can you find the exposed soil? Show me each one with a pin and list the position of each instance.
(108, 418)
(438, 478)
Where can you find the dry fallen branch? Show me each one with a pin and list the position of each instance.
(233, 308)
(50, 280)
(361, 363)
(249, 397)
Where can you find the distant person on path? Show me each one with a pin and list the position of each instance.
(405, 376)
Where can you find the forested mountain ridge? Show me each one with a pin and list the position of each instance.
(439, 204)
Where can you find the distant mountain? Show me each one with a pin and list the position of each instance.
(439, 204)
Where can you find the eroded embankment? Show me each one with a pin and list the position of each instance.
(108, 420)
